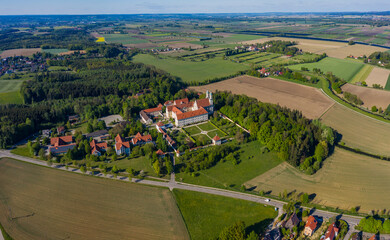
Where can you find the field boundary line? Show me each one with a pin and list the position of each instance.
(354, 110)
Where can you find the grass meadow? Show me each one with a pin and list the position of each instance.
(192, 71)
(9, 91)
(343, 68)
(387, 87)
(123, 39)
(11, 97)
(55, 51)
(362, 75)
(226, 175)
(358, 130)
(44, 203)
(207, 215)
(346, 180)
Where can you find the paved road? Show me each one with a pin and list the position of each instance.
(351, 220)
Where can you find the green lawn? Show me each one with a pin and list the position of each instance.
(55, 50)
(192, 130)
(362, 75)
(206, 126)
(57, 68)
(226, 175)
(11, 97)
(388, 83)
(123, 39)
(216, 132)
(192, 71)
(22, 151)
(342, 68)
(207, 215)
(138, 164)
(10, 85)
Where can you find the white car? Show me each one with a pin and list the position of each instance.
(267, 200)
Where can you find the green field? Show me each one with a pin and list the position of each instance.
(362, 75)
(138, 164)
(10, 85)
(235, 38)
(387, 87)
(207, 215)
(44, 203)
(22, 151)
(55, 51)
(212, 134)
(123, 39)
(192, 71)
(11, 97)
(343, 68)
(226, 175)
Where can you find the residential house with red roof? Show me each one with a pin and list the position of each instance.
(147, 115)
(61, 130)
(331, 233)
(97, 149)
(121, 145)
(311, 226)
(60, 145)
(139, 139)
(217, 140)
(160, 153)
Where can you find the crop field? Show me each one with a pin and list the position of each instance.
(362, 75)
(378, 76)
(55, 51)
(207, 215)
(359, 131)
(123, 39)
(332, 49)
(43, 203)
(342, 68)
(252, 163)
(192, 71)
(370, 96)
(346, 180)
(9, 91)
(19, 52)
(311, 101)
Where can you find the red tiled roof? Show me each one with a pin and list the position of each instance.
(60, 141)
(205, 102)
(331, 232)
(160, 124)
(185, 105)
(191, 114)
(160, 152)
(140, 138)
(311, 223)
(373, 237)
(168, 103)
(119, 139)
(119, 145)
(216, 138)
(150, 110)
(176, 110)
(181, 101)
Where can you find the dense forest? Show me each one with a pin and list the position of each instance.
(301, 142)
(72, 39)
(97, 88)
(100, 77)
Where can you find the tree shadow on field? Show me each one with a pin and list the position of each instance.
(259, 227)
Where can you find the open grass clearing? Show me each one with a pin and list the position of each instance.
(387, 87)
(346, 180)
(123, 39)
(192, 71)
(11, 98)
(358, 130)
(206, 126)
(311, 101)
(138, 164)
(216, 132)
(10, 85)
(22, 151)
(378, 76)
(342, 68)
(207, 215)
(362, 75)
(226, 175)
(43, 203)
(192, 130)
(370, 96)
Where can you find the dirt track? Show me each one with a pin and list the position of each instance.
(311, 101)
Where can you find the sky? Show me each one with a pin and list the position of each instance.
(34, 7)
